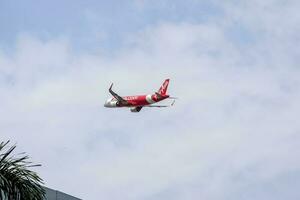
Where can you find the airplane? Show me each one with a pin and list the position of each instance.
(137, 102)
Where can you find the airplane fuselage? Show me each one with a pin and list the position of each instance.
(136, 100)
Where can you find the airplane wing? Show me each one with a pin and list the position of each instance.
(119, 98)
(138, 108)
(157, 106)
(160, 106)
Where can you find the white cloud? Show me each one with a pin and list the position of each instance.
(233, 128)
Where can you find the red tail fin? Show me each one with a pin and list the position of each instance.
(163, 89)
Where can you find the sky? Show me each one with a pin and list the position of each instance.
(233, 134)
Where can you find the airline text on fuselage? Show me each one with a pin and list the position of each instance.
(131, 98)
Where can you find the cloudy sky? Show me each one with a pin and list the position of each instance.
(232, 135)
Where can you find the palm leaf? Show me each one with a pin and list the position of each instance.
(17, 180)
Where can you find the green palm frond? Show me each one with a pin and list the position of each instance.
(17, 181)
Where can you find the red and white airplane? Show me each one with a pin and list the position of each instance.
(136, 103)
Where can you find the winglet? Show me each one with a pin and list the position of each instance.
(172, 103)
(111, 86)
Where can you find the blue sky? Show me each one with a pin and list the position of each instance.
(82, 21)
(233, 133)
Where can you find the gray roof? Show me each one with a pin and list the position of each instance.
(57, 195)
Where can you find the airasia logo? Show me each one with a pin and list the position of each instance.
(163, 88)
(130, 98)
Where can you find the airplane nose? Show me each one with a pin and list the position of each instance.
(106, 104)
(110, 103)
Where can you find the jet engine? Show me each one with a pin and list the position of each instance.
(135, 109)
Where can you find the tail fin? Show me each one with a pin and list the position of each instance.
(163, 89)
